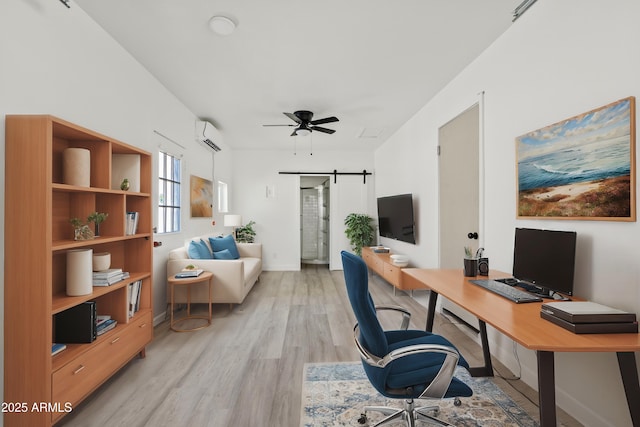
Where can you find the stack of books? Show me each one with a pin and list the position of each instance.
(57, 348)
(131, 223)
(104, 323)
(586, 317)
(109, 277)
(189, 273)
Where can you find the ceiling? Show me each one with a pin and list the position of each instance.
(371, 63)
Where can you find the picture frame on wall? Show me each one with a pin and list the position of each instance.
(582, 168)
(201, 197)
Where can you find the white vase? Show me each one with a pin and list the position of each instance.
(76, 167)
(101, 261)
(79, 272)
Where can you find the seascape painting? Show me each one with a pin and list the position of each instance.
(580, 168)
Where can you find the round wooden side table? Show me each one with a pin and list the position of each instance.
(174, 281)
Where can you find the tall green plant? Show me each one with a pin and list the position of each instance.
(246, 233)
(359, 231)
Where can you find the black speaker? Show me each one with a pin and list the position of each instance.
(483, 266)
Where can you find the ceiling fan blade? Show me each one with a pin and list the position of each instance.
(324, 130)
(293, 117)
(279, 125)
(323, 121)
(294, 132)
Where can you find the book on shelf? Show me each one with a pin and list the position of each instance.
(189, 273)
(131, 223)
(76, 324)
(133, 297)
(105, 326)
(57, 348)
(101, 319)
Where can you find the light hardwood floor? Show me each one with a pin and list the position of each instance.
(246, 368)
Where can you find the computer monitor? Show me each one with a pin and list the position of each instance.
(545, 259)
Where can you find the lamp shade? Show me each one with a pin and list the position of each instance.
(233, 220)
(302, 132)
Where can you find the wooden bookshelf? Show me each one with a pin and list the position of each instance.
(38, 236)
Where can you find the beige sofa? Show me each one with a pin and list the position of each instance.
(232, 279)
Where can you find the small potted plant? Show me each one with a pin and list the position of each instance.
(359, 231)
(246, 234)
(97, 218)
(81, 231)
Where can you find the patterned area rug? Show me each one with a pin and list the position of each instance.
(334, 395)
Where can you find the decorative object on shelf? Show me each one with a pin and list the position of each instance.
(76, 167)
(79, 272)
(201, 197)
(101, 261)
(81, 231)
(246, 233)
(359, 231)
(97, 218)
(125, 167)
(580, 168)
(124, 185)
(399, 260)
(233, 221)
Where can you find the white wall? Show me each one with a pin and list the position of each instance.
(560, 59)
(278, 218)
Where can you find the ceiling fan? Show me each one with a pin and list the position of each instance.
(305, 125)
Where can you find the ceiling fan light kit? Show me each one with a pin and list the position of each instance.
(302, 132)
(222, 25)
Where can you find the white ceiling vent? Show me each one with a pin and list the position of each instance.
(370, 133)
(206, 133)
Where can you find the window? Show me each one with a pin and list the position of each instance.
(169, 193)
(223, 197)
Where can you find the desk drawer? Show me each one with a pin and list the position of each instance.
(76, 379)
(376, 264)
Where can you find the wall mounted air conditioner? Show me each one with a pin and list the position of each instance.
(206, 133)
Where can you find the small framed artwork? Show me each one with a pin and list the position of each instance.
(201, 197)
(582, 168)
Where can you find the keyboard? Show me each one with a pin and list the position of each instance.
(504, 290)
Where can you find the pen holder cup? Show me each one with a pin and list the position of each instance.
(471, 267)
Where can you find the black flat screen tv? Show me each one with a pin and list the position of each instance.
(545, 259)
(395, 217)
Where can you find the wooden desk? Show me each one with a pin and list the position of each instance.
(523, 324)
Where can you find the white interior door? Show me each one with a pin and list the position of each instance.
(459, 146)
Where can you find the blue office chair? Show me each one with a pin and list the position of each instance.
(401, 364)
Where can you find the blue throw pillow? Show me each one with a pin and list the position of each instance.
(223, 254)
(221, 243)
(199, 250)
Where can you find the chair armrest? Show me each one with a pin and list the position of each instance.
(406, 315)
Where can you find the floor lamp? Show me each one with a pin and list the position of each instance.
(234, 221)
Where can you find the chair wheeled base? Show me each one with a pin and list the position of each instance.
(410, 414)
